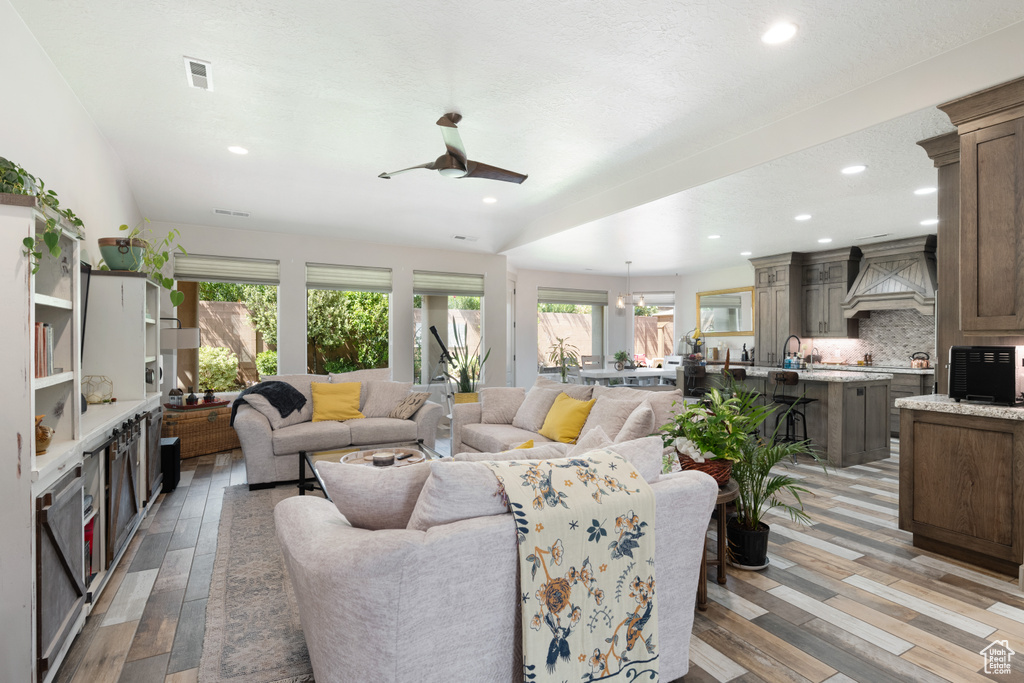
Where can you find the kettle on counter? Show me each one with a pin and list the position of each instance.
(919, 360)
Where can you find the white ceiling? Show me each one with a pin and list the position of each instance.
(604, 105)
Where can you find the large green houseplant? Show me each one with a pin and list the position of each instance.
(563, 354)
(466, 366)
(143, 251)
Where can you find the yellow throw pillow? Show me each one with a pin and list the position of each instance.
(566, 418)
(525, 444)
(336, 401)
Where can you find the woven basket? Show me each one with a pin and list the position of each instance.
(202, 431)
(721, 470)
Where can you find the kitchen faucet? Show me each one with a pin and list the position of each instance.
(785, 347)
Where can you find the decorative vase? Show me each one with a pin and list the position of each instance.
(720, 469)
(748, 548)
(209, 396)
(44, 435)
(122, 254)
(620, 366)
(467, 397)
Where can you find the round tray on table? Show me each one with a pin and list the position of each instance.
(366, 457)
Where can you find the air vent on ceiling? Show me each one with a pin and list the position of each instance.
(199, 73)
(228, 212)
(465, 238)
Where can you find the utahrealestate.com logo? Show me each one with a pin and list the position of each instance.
(997, 657)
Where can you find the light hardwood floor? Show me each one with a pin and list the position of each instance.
(847, 598)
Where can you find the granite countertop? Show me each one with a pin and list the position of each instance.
(940, 403)
(875, 368)
(814, 375)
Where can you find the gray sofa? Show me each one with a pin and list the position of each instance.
(508, 416)
(403, 605)
(271, 455)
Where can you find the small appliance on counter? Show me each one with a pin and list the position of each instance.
(987, 374)
(920, 360)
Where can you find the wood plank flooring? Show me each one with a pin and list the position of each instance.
(847, 598)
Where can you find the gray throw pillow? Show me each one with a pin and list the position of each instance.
(534, 409)
(408, 407)
(456, 491)
(609, 414)
(379, 398)
(580, 392)
(374, 497)
(272, 414)
(499, 405)
(639, 424)
(591, 441)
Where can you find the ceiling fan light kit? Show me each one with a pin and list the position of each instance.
(454, 163)
(629, 297)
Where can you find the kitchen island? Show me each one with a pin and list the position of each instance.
(962, 480)
(848, 424)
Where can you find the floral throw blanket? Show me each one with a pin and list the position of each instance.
(586, 563)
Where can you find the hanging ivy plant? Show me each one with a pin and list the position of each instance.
(156, 253)
(16, 180)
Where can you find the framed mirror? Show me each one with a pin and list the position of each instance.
(726, 312)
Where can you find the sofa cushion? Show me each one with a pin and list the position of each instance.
(455, 491)
(609, 414)
(498, 405)
(409, 405)
(534, 409)
(376, 430)
(665, 403)
(362, 376)
(591, 441)
(374, 497)
(381, 397)
(580, 392)
(336, 401)
(566, 418)
(547, 451)
(495, 438)
(273, 415)
(643, 454)
(302, 383)
(639, 424)
(311, 436)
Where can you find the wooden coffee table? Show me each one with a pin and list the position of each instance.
(362, 457)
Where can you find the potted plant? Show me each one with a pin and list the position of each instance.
(140, 250)
(466, 368)
(621, 360)
(563, 354)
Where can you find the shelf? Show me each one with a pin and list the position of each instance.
(150, 359)
(58, 451)
(150, 321)
(88, 517)
(53, 302)
(52, 380)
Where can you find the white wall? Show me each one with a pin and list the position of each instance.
(44, 128)
(295, 251)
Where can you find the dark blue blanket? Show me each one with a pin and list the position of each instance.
(281, 395)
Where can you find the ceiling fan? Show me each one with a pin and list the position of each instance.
(454, 163)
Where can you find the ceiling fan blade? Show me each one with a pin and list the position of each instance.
(452, 139)
(387, 176)
(479, 170)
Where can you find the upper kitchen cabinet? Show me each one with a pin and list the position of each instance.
(777, 312)
(825, 282)
(991, 128)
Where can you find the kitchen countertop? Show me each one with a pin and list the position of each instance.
(940, 403)
(815, 375)
(875, 368)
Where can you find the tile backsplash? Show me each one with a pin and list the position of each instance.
(889, 336)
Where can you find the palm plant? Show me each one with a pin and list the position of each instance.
(760, 489)
(466, 366)
(563, 354)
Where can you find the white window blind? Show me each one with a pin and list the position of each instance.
(447, 284)
(556, 295)
(348, 278)
(200, 268)
(659, 298)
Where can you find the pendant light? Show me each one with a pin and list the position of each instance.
(629, 297)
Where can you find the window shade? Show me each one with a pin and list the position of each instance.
(348, 278)
(200, 268)
(659, 298)
(446, 284)
(555, 295)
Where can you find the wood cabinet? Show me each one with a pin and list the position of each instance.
(777, 312)
(905, 385)
(991, 128)
(865, 421)
(825, 280)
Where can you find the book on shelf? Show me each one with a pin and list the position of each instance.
(44, 350)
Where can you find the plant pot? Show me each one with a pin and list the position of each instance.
(472, 397)
(122, 254)
(748, 548)
(619, 365)
(721, 470)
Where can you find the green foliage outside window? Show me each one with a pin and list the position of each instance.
(218, 368)
(266, 363)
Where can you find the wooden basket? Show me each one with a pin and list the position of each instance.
(202, 431)
(721, 470)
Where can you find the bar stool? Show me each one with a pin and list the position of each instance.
(694, 375)
(794, 413)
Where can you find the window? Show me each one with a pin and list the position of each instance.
(452, 303)
(653, 328)
(576, 315)
(347, 317)
(234, 304)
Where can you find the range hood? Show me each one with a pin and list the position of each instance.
(894, 275)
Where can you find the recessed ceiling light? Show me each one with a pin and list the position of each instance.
(746, 253)
(802, 217)
(850, 170)
(930, 221)
(490, 200)
(924, 190)
(779, 33)
(714, 237)
(825, 240)
(235, 149)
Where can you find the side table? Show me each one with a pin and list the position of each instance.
(726, 494)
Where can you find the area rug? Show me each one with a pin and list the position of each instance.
(252, 619)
